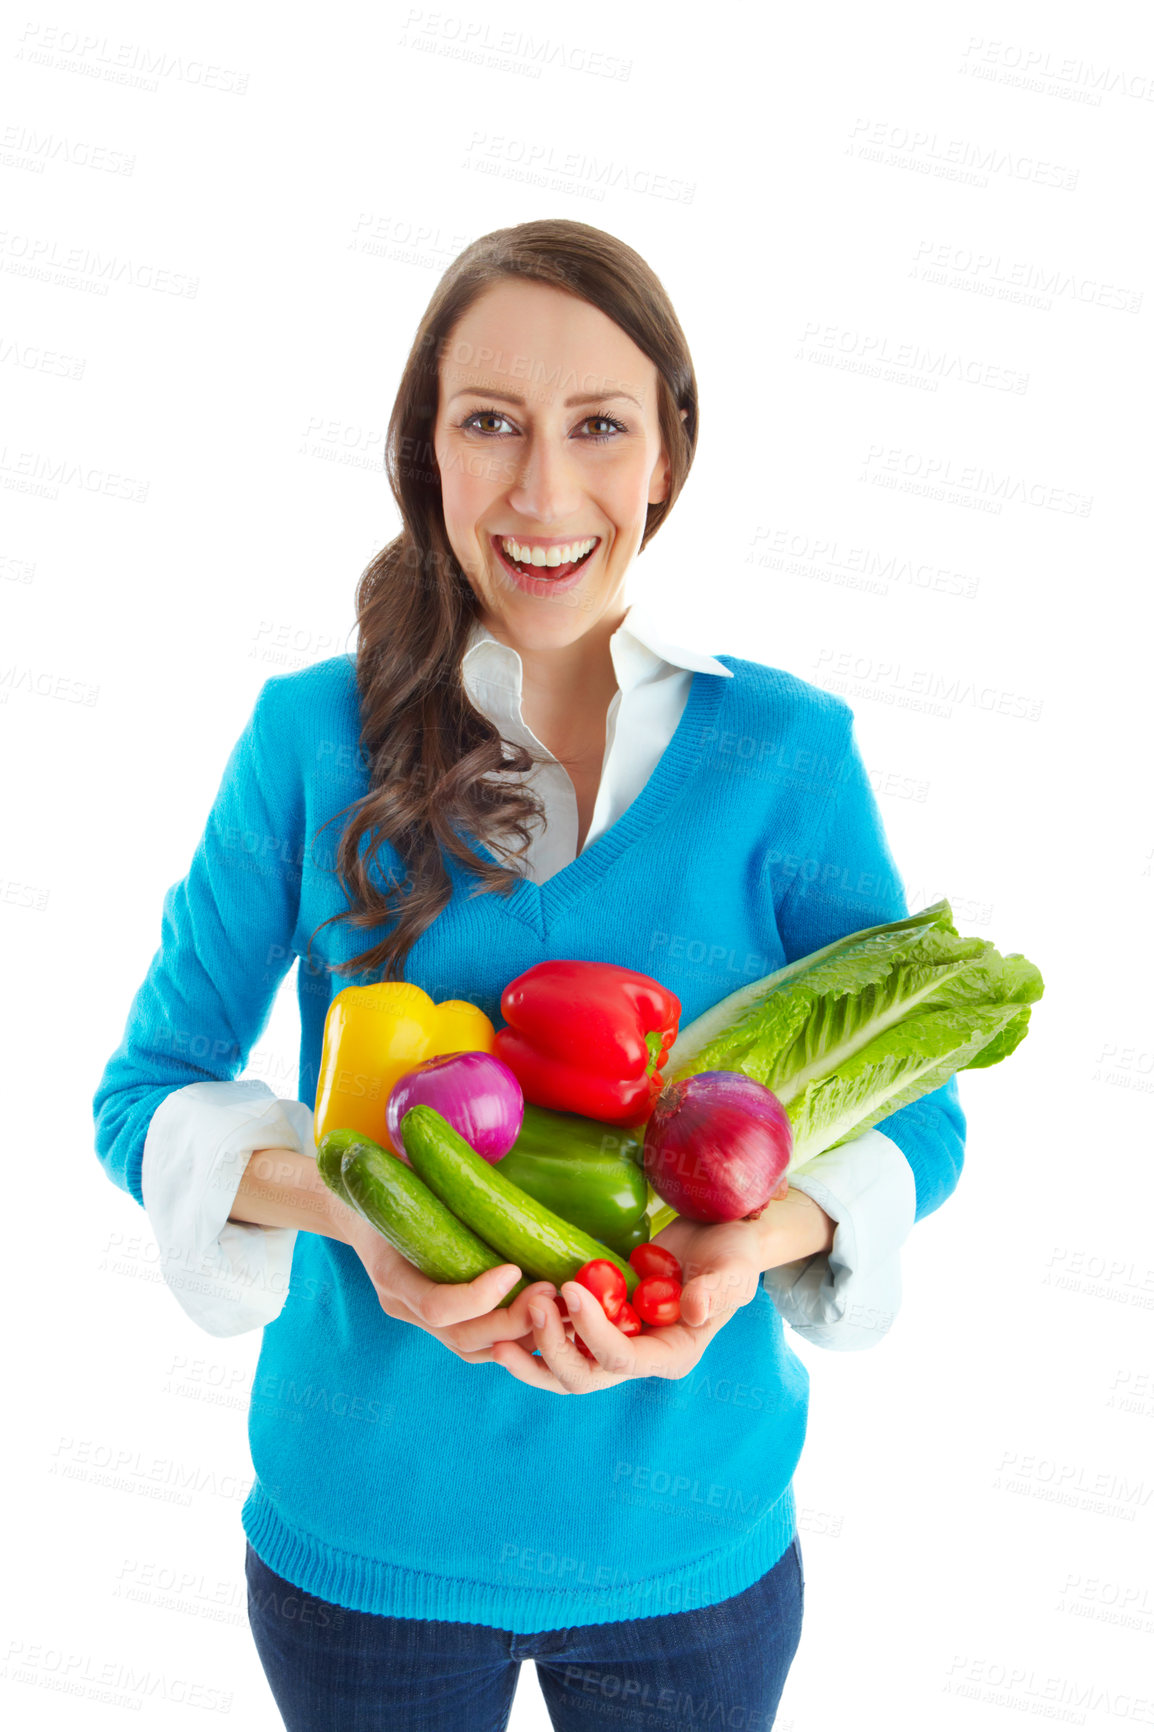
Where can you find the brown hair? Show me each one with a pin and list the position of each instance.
(427, 748)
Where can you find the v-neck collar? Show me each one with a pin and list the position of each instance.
(538, 905)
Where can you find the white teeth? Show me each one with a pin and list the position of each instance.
(562, 555)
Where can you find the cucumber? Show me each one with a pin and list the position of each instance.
(329, 1151)
(522, 1229)
(394, 1200)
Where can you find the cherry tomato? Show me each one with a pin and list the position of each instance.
(655, 1260)
(657, 1300)
(606, 1282)
(583, 1347)
(628, 1321)
(559, 1301)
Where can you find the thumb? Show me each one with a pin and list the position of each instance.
(718, 1291)
(700, 1296)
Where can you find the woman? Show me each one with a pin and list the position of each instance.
(523, 770)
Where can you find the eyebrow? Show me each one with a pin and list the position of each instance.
(519, 402)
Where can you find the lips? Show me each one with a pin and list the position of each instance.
(539, 579)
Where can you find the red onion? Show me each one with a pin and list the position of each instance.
(476, 1092)
(717, 1146)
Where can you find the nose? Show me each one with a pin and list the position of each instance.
(545, 485)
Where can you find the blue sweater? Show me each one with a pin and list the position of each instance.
(391, 1476)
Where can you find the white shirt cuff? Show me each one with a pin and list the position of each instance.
(229, 1276)
(847, 1298)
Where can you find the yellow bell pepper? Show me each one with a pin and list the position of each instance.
(373, 1035)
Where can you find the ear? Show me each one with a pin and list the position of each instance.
(659, 481)
(664, 484)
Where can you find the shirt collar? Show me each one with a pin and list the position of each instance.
(638, 650)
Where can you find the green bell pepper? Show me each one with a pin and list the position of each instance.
(587, 1172)
(637, 1234)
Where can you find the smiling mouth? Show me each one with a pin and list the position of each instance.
(545, 573)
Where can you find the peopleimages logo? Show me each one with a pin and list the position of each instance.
(1025, 282)
(960, 159)
(939, 476)
(115, 1683)
(853, 565)
(1004, 1684)
(877, 355)
(678, 1487)
(1034, 68)
(894, 682)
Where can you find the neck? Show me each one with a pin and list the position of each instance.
(569, 680)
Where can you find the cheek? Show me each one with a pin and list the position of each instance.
(625, 514)
(469, 481)
(630, 489)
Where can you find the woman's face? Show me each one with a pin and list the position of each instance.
(546, 437)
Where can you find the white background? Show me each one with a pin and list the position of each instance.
(886, 217)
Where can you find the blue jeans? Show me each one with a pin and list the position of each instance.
(724, 1665)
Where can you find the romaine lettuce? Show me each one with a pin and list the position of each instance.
(847, 1035)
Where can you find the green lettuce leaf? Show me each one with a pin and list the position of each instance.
(847, 1035)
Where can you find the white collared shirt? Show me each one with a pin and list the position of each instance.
(232, 1276)
(653, 681)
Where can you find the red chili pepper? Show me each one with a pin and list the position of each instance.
(588, 1038)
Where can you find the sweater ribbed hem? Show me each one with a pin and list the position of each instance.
(387, 1590)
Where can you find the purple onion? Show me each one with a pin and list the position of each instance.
(717, 1146)
(475, 1092)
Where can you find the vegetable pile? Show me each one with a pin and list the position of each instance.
(565, 1140)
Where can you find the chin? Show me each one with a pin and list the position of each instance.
(541, 625)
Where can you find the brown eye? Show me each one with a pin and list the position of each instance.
(608, 421)
(481, 415)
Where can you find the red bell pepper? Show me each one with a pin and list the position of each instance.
(588, 1038)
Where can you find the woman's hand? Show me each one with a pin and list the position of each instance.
(462, 1314)
(722, 1266)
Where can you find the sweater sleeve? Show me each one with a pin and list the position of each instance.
(844, 880)
(225, 946)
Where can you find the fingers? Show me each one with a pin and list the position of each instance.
(511, 1323)
(703, 1296)
(466, 1316)
(673, 1350)
(443, 1303)
(697, 1298)
(521, 1364)
(613, 1353)
(560, 1367)
(716, 1293)
(669, 1352)
(519, 1311)
(483, 1355)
